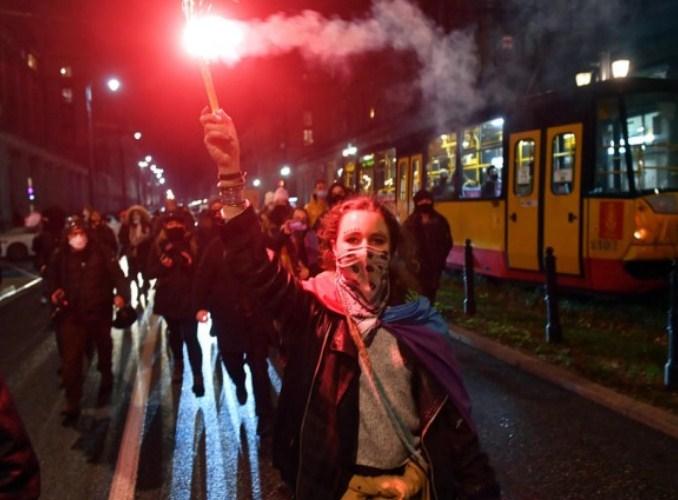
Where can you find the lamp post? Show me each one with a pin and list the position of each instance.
(114, 86)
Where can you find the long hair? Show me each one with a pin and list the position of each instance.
(403, 265)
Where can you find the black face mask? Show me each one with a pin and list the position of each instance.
(175, 233)
(425, 208)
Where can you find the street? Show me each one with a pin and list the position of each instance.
(157, 440)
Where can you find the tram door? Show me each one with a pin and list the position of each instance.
(410, 172)
(523, 200)
(562, 196)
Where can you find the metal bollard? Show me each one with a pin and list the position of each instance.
(469, 284)
(554, 332)
(671, 367)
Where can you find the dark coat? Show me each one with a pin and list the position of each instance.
(174, 284)
(316, 434)
(106, 237)
(88, 277)
(19, 469)
(216, 290)
(433, 238)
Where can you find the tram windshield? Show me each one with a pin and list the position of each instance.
(651, 136)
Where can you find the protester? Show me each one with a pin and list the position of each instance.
(372, 403)
(205, 231)
(242, 331)
(301, 243)
(81, 279)
(46, 242)
(431, 234)
(135, 243)
(19, 468)
(172, 262)
(337, 194)
(318, 204)
(101, 232)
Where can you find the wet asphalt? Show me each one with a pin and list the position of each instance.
(544, 442)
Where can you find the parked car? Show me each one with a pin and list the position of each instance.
(17, 243)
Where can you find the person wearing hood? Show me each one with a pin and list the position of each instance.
(318, 204)
(82, 278)
(135, 243)
(431, 233)
(372, 403)
(172, 261)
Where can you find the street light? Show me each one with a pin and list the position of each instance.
(620, 68)
(256, 183)
(285, 171)
(137, 136)
(113, 84)
(583, 78)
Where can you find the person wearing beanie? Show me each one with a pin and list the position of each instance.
(433, 238)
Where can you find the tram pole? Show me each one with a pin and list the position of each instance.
(469, 281)
(553, 331)
(671, 367)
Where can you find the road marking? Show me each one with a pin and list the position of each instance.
(125, 476)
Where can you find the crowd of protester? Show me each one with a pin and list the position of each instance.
(186, 260)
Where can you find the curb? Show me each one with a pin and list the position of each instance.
(19, 291)
(651, 416)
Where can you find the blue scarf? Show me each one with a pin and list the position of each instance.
(423, 330)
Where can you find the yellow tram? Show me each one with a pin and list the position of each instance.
(591, 173)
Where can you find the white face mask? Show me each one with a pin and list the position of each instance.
(78, 242)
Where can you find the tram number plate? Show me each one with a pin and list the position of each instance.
(604, 245)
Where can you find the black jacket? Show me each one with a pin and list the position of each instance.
(433, 238)
(19, 469)
(216, 290)
(316, 434)
(88, 277)
(174, 284)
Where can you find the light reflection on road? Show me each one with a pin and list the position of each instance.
(229, 429)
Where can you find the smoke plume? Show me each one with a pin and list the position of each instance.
(448, 61)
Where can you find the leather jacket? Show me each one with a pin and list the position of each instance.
(316, 431)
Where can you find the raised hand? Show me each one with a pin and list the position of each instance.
(221, 140)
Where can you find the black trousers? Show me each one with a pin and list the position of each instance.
(76, 336)
(185, 331)
(234, 362)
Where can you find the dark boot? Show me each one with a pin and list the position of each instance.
(198, 385)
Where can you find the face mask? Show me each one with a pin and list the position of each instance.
(363, 273)
(425, 207)
(175, 233)
(321, 194)
(78, 242)
(297, 225)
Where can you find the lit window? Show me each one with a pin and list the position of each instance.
(67, 94)
(308, 119)
(564, 150)
(65, 71)
(32, 61)
(308, 137)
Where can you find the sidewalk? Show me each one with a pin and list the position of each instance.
(15, 280)
(644, 413)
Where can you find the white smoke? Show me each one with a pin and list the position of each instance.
(448, 61)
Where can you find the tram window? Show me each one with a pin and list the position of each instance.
(442, 157)
(416, 175)
(564, 148)
(366, 175)
(524, 167)
(652, 125)
(384, 176)
(402, 180)
(482, 161)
